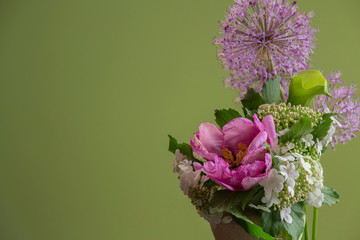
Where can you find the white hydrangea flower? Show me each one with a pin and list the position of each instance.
(308, 140)
(178, 158)
(272, 184)
(288, 157)
(327, 110)
(287, 147)
(319, 146)
(305, 165)
(272, 199)
(285, 215)
(297, 155)
(291, 174)
(328, 138)
(315, 198)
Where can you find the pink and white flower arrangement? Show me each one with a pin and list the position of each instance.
(267, 157)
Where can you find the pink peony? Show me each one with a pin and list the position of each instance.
(237, 157)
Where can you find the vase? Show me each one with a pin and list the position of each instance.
(234, 231)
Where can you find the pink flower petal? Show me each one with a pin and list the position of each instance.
(257, 123)
(269, 127)
(208, 142)
(258, 141)
(239, 130)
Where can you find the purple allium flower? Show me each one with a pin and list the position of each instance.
(261, 38)
(345, 103)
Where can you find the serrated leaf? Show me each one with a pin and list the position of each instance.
(226, 199)
(271, 222)
(184, 148)
(331, 197)
(322, 129)
(250, 227)
(271, 91)
(298, 130)
(305, 85)
(252, 99)
(296, 228)
(248, 114)
(248, 195)
(223, 116)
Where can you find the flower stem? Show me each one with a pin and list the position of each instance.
(315, 218)
(306, 231)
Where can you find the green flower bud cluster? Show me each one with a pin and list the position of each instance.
(200, 197)
(300, 148)
(286, 115)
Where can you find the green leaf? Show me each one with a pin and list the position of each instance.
(271, 222)
(305, 85)
(248, 114)
(298, 130)
(248, 195)
(250, 227)
(223, 116)
(271, 91)
(331, 197)
(226, 199)
(322, 129)
(184, 148)
(296, 228)
(252, 100)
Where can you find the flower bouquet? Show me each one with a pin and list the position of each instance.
(253, 174)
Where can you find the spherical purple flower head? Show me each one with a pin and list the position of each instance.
(258, 32)
(345, 103)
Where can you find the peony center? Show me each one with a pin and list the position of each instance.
(235, 161)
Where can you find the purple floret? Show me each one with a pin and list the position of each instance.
(345, 103)
(257, 32)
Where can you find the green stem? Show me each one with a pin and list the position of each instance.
(306, 231)
(315, 219)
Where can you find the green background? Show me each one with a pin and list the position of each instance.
(89, 91)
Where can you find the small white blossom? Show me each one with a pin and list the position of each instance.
(177, 159)
(319, 146)
(308, 140)
(287, 147)
(290, 174)
(327, 110)
(315, 198)
(283, 132)
(189, 179)
(272, 184)
(297, 155)
(285, 215)
(184, 166)
(271, 199)
(305, 165)
(285, 158)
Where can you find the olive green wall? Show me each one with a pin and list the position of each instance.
(89, 91)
